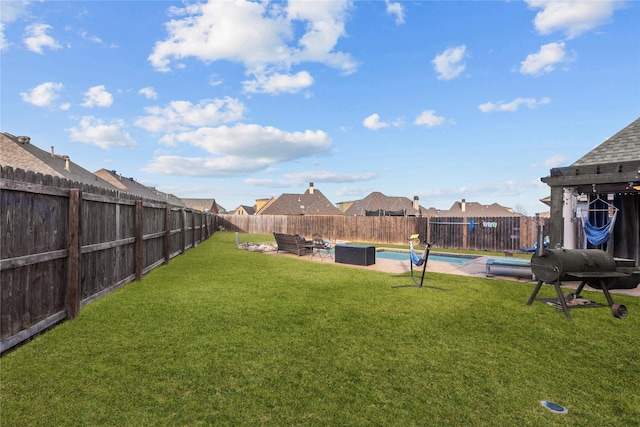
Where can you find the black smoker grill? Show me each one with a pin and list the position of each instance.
(591, 267)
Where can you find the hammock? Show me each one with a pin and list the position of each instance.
(415, 258)
(418, 260)
(599, 235)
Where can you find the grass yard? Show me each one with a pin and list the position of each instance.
(227, 337)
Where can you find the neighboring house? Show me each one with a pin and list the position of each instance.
(466, 209)
(204, 205)
(262, 204)
(131, 186)
(377, 204)
(311, 202)
(343, 206)
(244, 210)
(610, 173)
(19, 153)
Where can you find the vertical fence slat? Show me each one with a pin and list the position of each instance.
(73, 262)
(138, 238)
(167, 235)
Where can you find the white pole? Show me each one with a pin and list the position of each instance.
(568, 213)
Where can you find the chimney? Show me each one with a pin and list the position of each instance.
(66, 162)
(463, 205)
(53, 153)
(416, 202)
(311, 188)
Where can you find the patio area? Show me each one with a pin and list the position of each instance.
(475, 268)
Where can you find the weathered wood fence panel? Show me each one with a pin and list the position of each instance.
(64, 244)
(490, 234)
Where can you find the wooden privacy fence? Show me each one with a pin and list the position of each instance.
(65, 244)
(486, 234)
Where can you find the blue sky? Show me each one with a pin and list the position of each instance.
(239, 100)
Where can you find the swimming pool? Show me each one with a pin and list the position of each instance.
(433, 256)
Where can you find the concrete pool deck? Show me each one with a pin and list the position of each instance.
(475, 268)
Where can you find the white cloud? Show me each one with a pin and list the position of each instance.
(449, 64)
(183, 115)
(254, 141)
(396, 9)
(36, 38)
(531, 103)
(428, 118)
(490, 191)
(303, 178)
(260, 35)
(4, 44)
(373, 122)
(278, 83)
(572, 17)
(203, 166)
(327, 176)
(350, 190)
(97, 96)
(239, 150)
(10, 11)
(546, 59)
(552, 162)
(86, 36)
(95, 132)
(148, 92)
(43, 94)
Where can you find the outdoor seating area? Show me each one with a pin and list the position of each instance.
(293, 243)
(322, 247)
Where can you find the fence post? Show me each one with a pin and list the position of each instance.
(73, 279)
(183, 231)
(193, 229)
(138, 237)
(465, 235)
(167, 234)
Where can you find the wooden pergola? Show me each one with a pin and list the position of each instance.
(611, 170)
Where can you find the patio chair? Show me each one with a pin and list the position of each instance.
(321, 247)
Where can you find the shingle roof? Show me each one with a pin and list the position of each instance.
(19, 152)
(131, 186)
(249, 210)
(309, 203)
(376, 201)
(475, 209)
(624, 146)
(204, 205)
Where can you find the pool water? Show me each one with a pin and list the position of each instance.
(404, 256)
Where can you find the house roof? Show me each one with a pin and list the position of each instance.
(376, 201)
(466, 209)
(624, 146)
(263, 204)
(610, 167)
(204, 205)
(249, 210)
(131, 186)
(19, 153)
(311, 202)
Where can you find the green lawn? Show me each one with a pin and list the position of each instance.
(227, 337)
